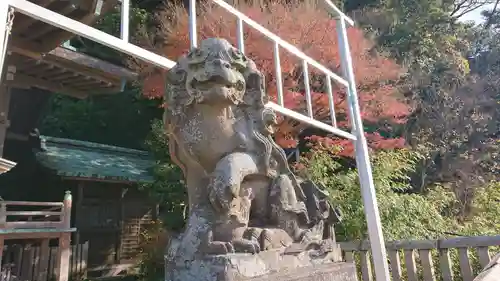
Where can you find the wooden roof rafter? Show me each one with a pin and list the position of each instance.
(67, 72)
(38, 60)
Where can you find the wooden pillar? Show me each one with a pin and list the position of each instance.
(64, 250)
(3, 220)
(4, 114)
(43, 271)
(121, 225)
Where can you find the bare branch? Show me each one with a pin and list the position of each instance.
(492, 14)
(463, 7)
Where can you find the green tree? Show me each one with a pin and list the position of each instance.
(404, 215)
(122, 119)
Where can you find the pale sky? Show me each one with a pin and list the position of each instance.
(476, 15)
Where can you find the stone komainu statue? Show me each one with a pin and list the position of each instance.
(242, 195)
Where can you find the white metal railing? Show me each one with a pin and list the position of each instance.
(357, 135)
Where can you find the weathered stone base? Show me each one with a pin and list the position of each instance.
(338, 271)
(265, 266)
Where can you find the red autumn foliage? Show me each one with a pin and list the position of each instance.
(313, 32)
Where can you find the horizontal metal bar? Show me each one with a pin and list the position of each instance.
(302, 118)
(55, 19)
(330, 6)
(285, 45)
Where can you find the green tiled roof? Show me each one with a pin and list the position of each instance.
(72, 158)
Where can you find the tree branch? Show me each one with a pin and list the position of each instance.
(492, 14)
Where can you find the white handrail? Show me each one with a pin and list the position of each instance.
(315, 123)
(285, 45)
(363, 164)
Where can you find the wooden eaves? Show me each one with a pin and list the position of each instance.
(36, 59)
(65, 71)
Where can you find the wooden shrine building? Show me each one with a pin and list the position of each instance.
(36, 59)
(109, 209)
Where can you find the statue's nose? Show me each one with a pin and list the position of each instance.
(221, 63)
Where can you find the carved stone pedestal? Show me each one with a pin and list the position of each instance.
(265, 266)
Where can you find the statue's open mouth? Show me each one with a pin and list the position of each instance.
(216, 81)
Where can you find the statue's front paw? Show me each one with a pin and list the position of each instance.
(246, 246)
(219, 248)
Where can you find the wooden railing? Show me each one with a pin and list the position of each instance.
(32, 219)
(40, 221)
(426, 260)
(33, 262)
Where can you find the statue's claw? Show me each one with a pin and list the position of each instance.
(218, 198)
(246, 246)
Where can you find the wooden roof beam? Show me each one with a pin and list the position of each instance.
(21, 80)
(44, 29)
(94, 63)
(28, 21)
(59, 36)
(87, 65)
(77, 71)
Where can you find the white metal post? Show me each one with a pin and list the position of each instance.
(239, 35)
(363, 162)
(4, 33)
(125, 20)
(277, 71)
(331, 101)
(193, 37)
(307, 87)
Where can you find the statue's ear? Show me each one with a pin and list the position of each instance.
(253, 77)
(255, 86)
(255, 81)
